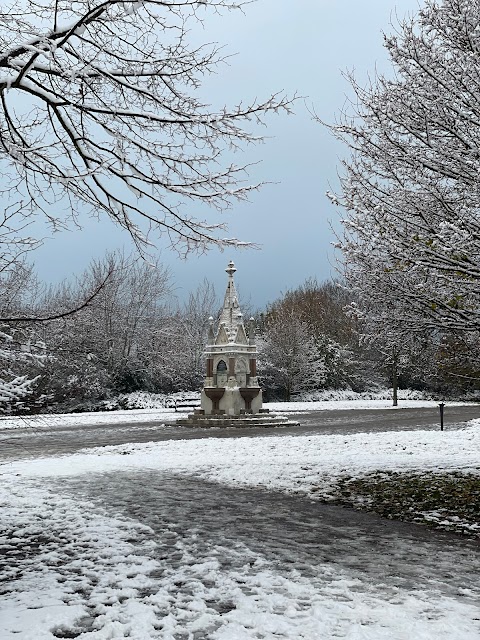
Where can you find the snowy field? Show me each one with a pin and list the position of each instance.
(329, 405)
(289, 463)
(167, 415)
(90, 419)
(76, 567)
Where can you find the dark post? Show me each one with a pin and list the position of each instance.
(442, 406)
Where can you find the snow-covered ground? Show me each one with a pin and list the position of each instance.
(167, 415)
(329, 405)
(76, 567)
(291, 463)
(89, 419)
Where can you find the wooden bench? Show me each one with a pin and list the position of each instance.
(179, 404)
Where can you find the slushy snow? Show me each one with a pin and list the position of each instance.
(75, 567)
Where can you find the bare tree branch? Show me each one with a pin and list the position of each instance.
(64, 314)
(100, 113)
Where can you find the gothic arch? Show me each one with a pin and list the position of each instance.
(221, 366)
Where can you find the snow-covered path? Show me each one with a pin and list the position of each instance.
(223, 539)
(157, 555)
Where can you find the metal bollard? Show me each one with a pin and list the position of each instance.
(441, 406)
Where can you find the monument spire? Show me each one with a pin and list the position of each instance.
(231, 384)
(231, 315)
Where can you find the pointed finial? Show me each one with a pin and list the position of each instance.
(251, 330)
(211, 333)
(231, 268)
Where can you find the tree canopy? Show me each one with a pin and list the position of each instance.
(101, 114)
(411, 188)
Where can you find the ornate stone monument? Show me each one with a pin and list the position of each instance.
(231, 395)
(231, 386)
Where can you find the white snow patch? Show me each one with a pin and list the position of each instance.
(283, 462)
(47, 421)
(92, 565)
(62, 556)
(343, 405)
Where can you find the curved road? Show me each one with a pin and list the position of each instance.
(42, 440)
(239, 553)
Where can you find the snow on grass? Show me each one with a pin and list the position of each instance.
(448, 500)
(63, 564)
(320, 466)
(343, 405)
(373, 394)
(47, 421)
(283, 462)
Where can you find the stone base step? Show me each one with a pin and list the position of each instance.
(264, 420)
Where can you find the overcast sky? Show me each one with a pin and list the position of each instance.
(298, 46)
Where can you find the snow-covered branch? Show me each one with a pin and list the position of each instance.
(411, 189)
(100, 111)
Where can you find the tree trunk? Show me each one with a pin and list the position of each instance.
(395, 377)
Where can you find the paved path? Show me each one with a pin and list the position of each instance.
(42, 440)
(336, 557)
(289, 529)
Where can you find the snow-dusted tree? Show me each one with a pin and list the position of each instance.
(100, 112)
(16, 353)
(458, 362)
(109, 345)
(411, 188)
(126, 312)
(290, 359)
(21, 351)
(180, 347)
(321, 306)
